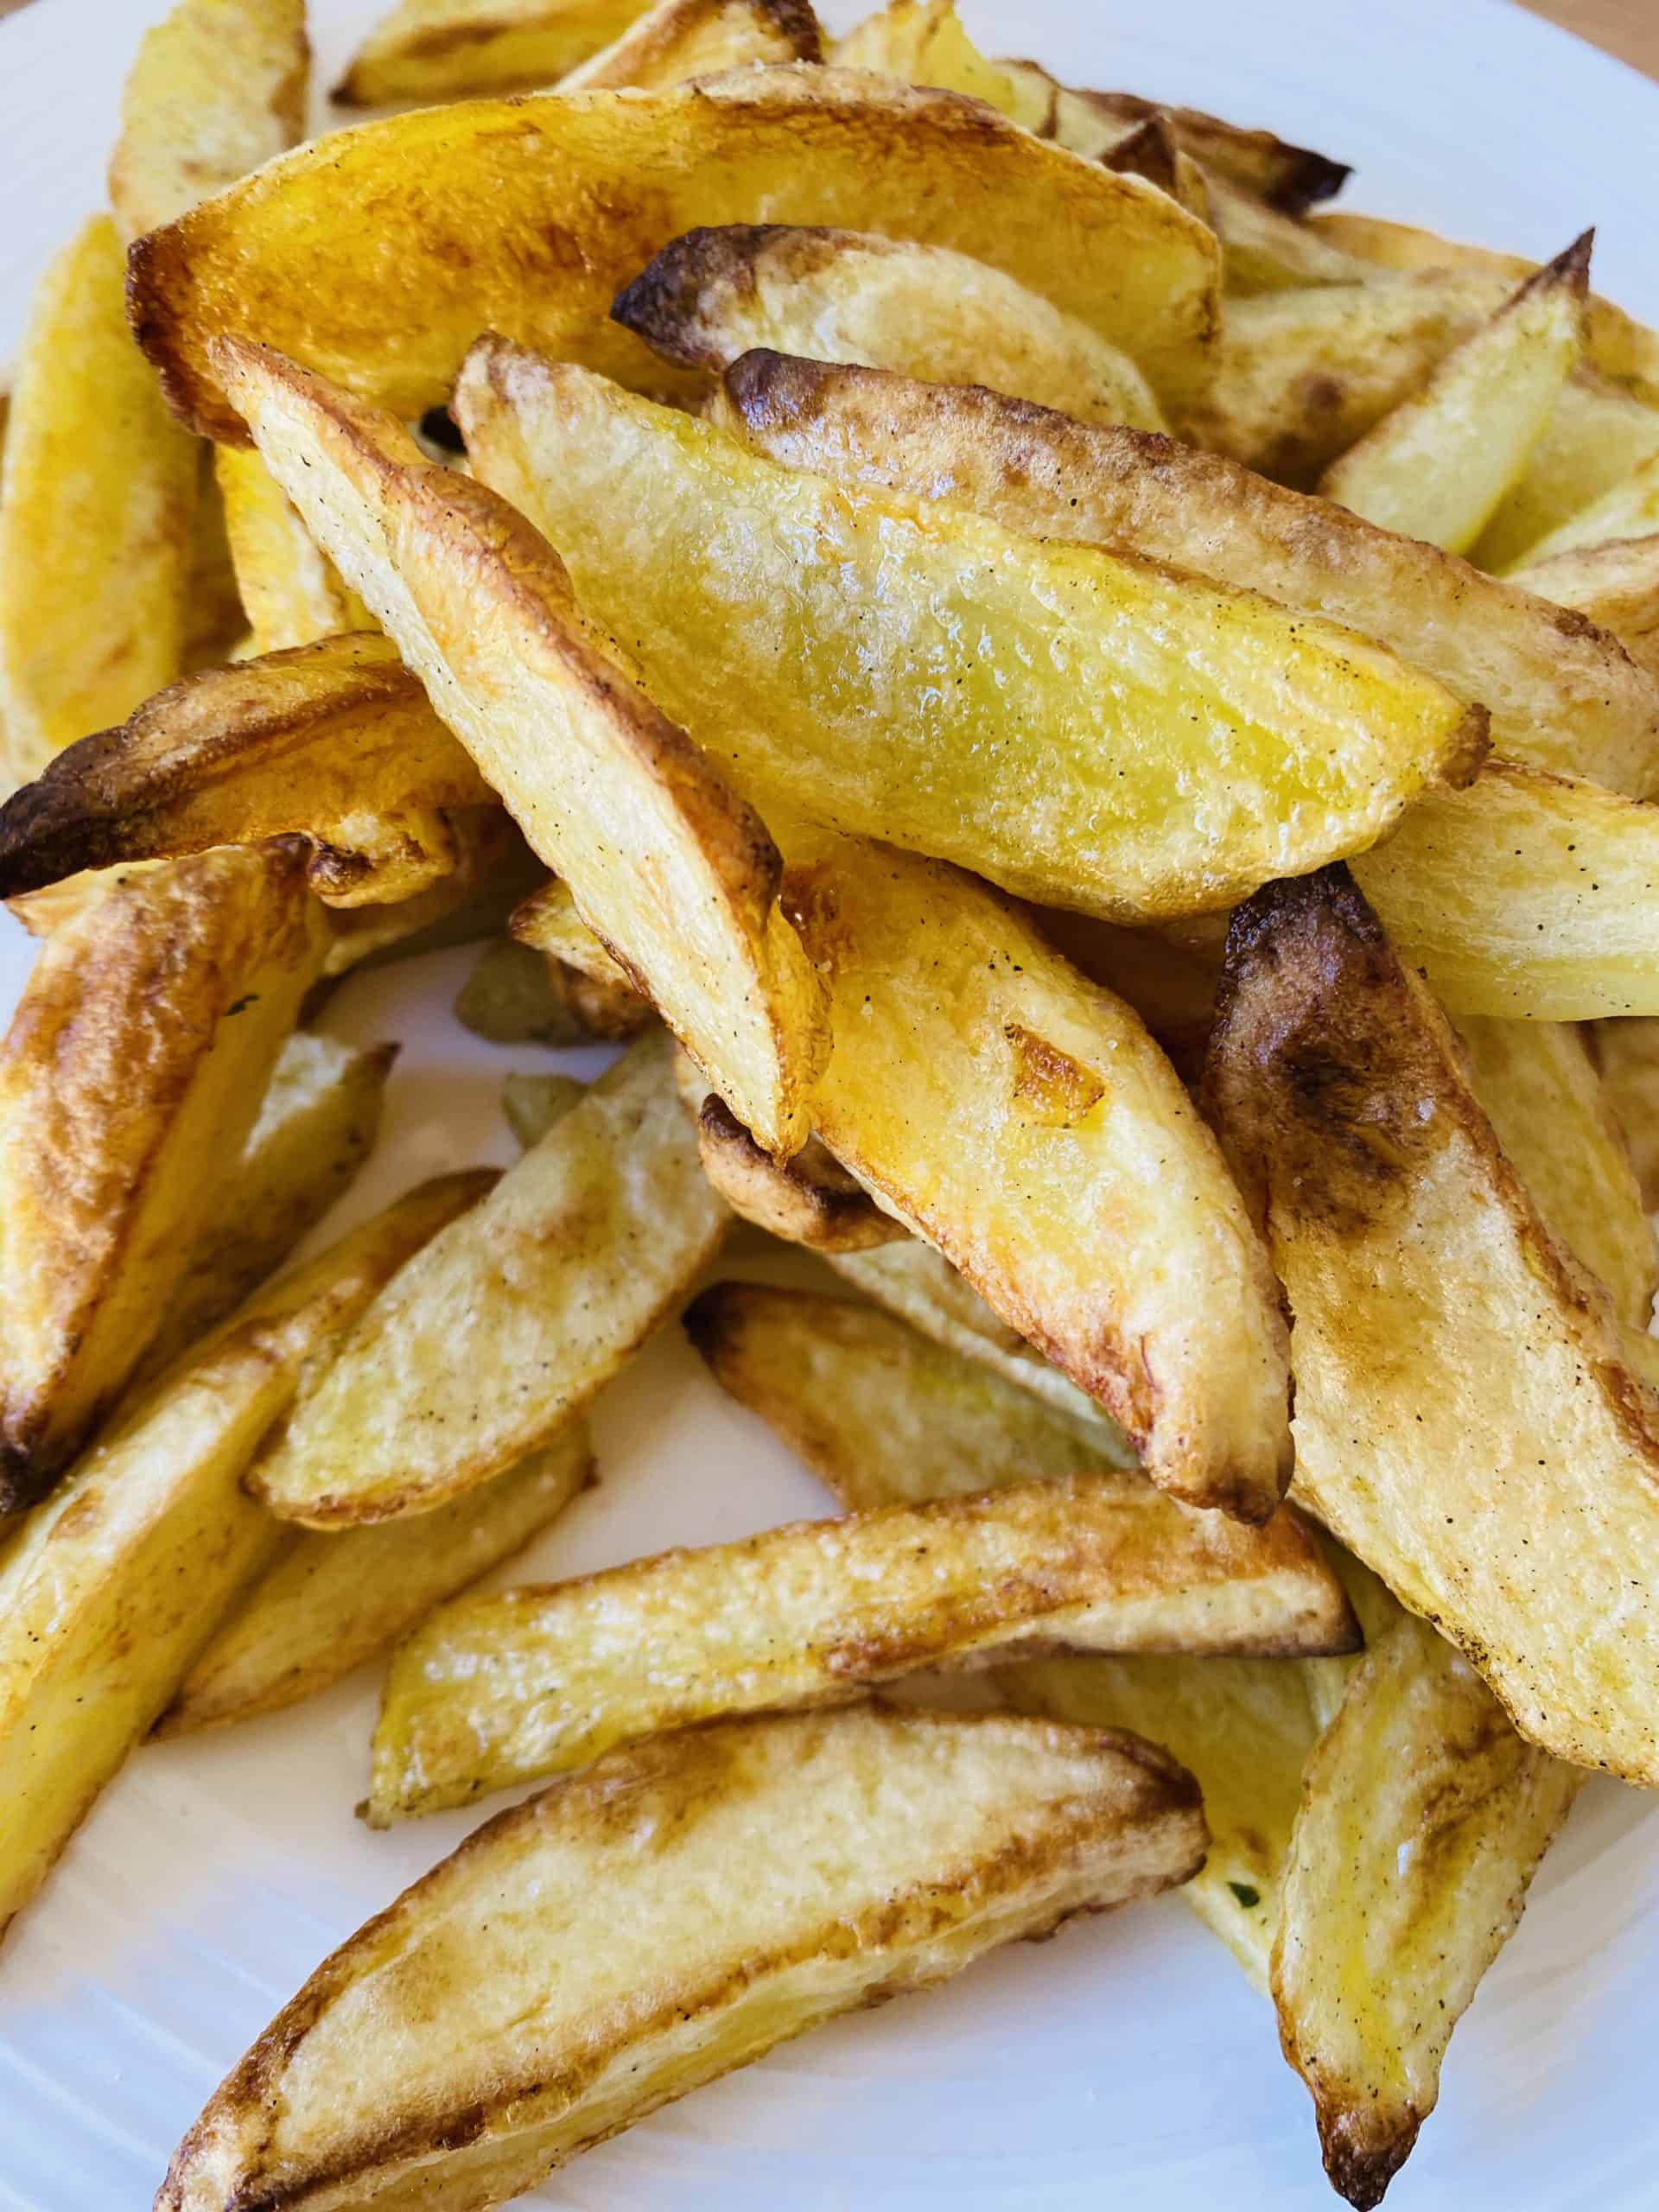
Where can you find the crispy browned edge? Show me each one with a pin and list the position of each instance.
(1152, 150)
(89, 807)
(663, 304)
(612, 1782)
(810, 1199)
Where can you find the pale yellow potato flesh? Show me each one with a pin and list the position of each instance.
(549, 920)
(117, 1583)
(1423, 1819)
(910, 1279)
(1085, 727)
(388, 310)
(531, 1103)
(329, 1602)
(1559, 694)
(677, 875)
(1528, 895)
(130, 1074)
(1627, 1054)
(675, 1912)
(1437, 466)
(848, 295)
(334, 742)
(1266, 251)
(317, 1124)
(291, 592)
(97, 511)
(1614, 586)
(1596, 435)
(507, 1324)
(679, 38)
(1539, 1088)
(218, 88)
(1631, 509)
(1021, 1120)
(810, 1199)
(432, 50)
(1461, 1382)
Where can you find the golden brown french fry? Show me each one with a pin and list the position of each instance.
(1423, 1819)
(810, 1199)
(548, 919)
(1596, 435)
(96, 515)
(1614, 585)
(218, 88)
(334, 742)
(1558, 693)
(1539, 1088)
(533, 1103)
(292, 593)
(1631, 509)
(1438, 1320)
(388, 310)
(329, 1602)
(1627, 1055)
(637, 1930)
(117, 1582)
(678, 39)
(678, 875)
(515, 996)
(133, 1068)
(490, 1692)
(506, 1326)
(848, 295)
(950, 1015)
(920, 1284)
(317, 1124)
(1437, 466)
(1085, 728)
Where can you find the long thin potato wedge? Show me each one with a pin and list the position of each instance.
(678, 39)
(329, 1602)
(432, 50)
(494, 1691)
(910, 1279)
(96, 513)
(116, 1584)
(1438, 465)
(676, 1911)
(1596, 435)
(132, 1070)
(334, 741)
(317, 1124)
(508, 1323)
(218, 88)
(1627, 1055)
(1423, 1819)
(810, 1199)
(677, 875)
(1631, 509)
(1085, 727)
(291, 592)
(1460, 1382)
(1559, 693)
(1616, 586)
(1021, 1120)
(1539, 1088)
(848, 295)
(1528, 895)
(388, 310)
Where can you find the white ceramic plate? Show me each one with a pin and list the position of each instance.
(1128, 2063)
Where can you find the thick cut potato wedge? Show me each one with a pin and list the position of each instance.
(1538, 1086)
(332, 1601)
(910, 1279)
(96, 510)
(1437, 1321)
(677, 875)
(334, 741)
(639, 1929)
(1084, 727)
(291, 592)
(317, 1125)
(1559, 693)
(531, 1103)
(1616, 586)
(679, 38)
(1438, 464)
(115, 1586)
(1631, 509)
(130, 1074)
(491, 1692)
(847, 296)
(1627, 1053)
(388, 310)
(218, 89)
(1529, 895)
(549, 920)
(1424, 1817)
(515, 995)
(1076, 1190)
(810, 1199)
(507, 1324)
(1596, 435)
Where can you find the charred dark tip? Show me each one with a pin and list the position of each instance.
(663, 303)
(713, 1319)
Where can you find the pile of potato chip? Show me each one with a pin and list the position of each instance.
(1089, 731)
